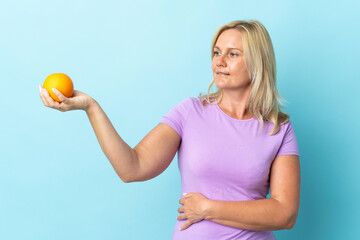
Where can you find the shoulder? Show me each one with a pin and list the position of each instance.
(190, 102)
(200, 103)
(287, 125)
(195, 105)
(286, 128)
(184, 106)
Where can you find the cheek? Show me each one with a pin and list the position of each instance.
(240, 68)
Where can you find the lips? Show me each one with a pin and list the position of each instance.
(222, 73)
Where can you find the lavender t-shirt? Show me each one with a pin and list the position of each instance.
(225, 159)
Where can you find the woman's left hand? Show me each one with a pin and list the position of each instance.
(194, 208)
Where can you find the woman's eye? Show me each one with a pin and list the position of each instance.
(217, 53)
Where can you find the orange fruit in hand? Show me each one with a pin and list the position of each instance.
(61, 82)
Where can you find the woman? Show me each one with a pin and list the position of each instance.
(233, 145)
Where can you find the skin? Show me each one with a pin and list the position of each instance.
(193, 209)
(236, 87)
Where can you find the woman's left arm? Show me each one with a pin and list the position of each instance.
(278, 212)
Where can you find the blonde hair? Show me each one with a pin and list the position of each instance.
(260, 63)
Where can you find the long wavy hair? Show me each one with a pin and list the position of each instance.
(264, 100)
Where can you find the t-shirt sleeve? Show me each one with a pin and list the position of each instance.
(176, 116)
(289, 144)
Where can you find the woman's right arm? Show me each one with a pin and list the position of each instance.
(147, 160)
(122, 157)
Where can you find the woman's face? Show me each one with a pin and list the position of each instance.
(228, 63)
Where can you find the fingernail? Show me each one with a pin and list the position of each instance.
(53, 89)
(184, 194)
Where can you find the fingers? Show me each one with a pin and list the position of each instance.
(47, 100)
(186, 195)
(181, 217)
(181, 209)
(61, 96)
(44, 96)
(186, 225)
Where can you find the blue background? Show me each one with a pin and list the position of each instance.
(138, 59)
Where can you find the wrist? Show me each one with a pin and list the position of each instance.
(90, 106)
(208, 208)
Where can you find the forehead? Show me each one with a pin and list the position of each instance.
(230, 38)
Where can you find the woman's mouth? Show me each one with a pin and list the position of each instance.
(223, 74)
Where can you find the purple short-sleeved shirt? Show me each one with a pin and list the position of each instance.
(225, 159)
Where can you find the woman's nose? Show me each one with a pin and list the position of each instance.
(221, 61)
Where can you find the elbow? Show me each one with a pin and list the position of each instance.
(286, 220)
(288, 217)
(127, 179)
(130, 178)
(290, 223)
(124, 178)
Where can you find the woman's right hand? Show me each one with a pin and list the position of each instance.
(79, 100)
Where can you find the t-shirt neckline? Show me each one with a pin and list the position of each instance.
(231, 118)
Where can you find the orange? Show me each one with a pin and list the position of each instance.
(61, 82)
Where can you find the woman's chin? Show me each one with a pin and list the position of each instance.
(220, 84)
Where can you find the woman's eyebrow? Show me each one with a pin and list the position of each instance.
(229, 48)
